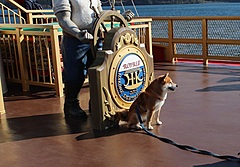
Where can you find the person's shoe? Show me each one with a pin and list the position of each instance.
(71, 105)
(74, 111)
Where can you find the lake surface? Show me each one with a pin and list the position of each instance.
(205, 9)
(225, 30)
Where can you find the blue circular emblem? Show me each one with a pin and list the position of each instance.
(130, 77)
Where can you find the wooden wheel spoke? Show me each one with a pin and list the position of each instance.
(108, 20)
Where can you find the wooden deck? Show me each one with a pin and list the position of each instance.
(203, 113)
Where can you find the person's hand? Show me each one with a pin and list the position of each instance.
(128, 15)
(85, 36)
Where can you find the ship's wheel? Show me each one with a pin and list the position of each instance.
(107, 20)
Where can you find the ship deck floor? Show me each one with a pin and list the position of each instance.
(203, 113)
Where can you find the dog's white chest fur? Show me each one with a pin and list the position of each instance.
(159, 103)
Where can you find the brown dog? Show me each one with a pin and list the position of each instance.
(149, 102)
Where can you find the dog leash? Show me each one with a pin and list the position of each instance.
(185, 147)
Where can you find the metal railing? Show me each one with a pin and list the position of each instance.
(205, 38)
(35, 16)
(8, 16)
(31, 55)
(142, 27)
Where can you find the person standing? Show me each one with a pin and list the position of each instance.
(76, 18)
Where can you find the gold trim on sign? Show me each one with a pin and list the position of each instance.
(127, 39)
(130, 49)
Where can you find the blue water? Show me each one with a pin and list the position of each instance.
(216, 30)
(205, 9)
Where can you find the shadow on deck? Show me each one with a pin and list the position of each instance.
(203, 113)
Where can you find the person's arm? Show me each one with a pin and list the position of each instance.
(99, 7)
(65, 22)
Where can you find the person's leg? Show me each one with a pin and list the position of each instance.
(74, 63)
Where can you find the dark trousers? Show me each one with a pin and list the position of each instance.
(77, 58)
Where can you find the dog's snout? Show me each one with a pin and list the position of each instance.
(176, 85)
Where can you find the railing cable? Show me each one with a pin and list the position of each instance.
(135, 8)
(122, 5)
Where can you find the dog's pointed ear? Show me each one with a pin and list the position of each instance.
(166, 75)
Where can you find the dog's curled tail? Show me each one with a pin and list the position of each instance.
(122, 114)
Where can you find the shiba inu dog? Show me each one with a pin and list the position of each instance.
(149, 103)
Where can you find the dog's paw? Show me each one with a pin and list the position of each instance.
(150, 127)
(138, 126)
(159, 122)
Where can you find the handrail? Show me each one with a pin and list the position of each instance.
(10, 16)
(31, 55)
(33, 14)
(17, 5)
(53, 26)
(198, 37)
